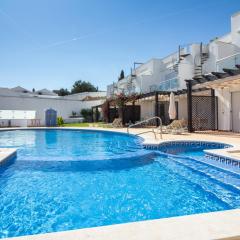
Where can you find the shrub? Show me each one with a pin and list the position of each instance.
(74, 114)
(60, 121)
(86, 114)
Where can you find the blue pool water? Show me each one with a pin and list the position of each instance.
(67, 144)
(63, 180)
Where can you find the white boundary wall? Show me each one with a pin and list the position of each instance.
(63, 107)
(17, 114)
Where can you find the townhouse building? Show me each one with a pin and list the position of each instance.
(192, 61)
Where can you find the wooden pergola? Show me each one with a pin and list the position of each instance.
(227, 78)
(230, 81)
(96, 108)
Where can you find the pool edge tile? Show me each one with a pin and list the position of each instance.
(214, 225)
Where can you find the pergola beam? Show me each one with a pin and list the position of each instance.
(231, 72)
(200, 89)
(210, 77)
(220, 74)
(237, 66)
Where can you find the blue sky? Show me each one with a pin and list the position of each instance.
(54, 43)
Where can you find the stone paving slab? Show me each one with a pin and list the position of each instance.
(216, 225)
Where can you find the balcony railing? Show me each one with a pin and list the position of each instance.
(171, 84)
(228, 62)
(168, 85)
(171, 75)
(185, 49)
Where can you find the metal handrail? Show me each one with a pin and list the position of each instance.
(145, 121)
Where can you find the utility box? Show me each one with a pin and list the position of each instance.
(51, 118)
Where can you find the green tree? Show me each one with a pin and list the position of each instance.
(122, 76)
(83, 86)
(62, 92)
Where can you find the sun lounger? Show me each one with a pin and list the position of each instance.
(176, 127)
(117, 123)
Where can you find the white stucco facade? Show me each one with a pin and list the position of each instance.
(228, 108)
(189, 62)
(193, 60)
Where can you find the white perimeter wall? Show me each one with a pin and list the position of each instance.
(63, 107)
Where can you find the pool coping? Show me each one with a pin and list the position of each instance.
(213, 225)
(223, 153)
(7, 154)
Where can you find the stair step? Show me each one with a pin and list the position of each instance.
(185, 55)
(219, 189)
(214, 172)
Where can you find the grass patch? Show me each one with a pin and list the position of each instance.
(76, 125)
(98, 124)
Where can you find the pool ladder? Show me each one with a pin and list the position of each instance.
(145, 123)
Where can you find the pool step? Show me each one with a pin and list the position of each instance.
(184, 172)
(234, 192)
(218, 189)
(229, 168)
(120, 149)
(224, 176)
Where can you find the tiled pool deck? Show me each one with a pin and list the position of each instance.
(217, 225)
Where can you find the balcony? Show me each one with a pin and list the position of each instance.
(168, 85)
(228, 62)
(185, 50)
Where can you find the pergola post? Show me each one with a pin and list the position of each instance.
(156, 108)
(108, 111)
(97, 114)
(189, 105)
(214, 110)
(212, 92)
(133, 111)
(115, 112)
(121, 112)
(92, 114)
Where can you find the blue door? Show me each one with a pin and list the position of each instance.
(50, 118)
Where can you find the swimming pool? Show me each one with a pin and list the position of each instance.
(66, 179)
